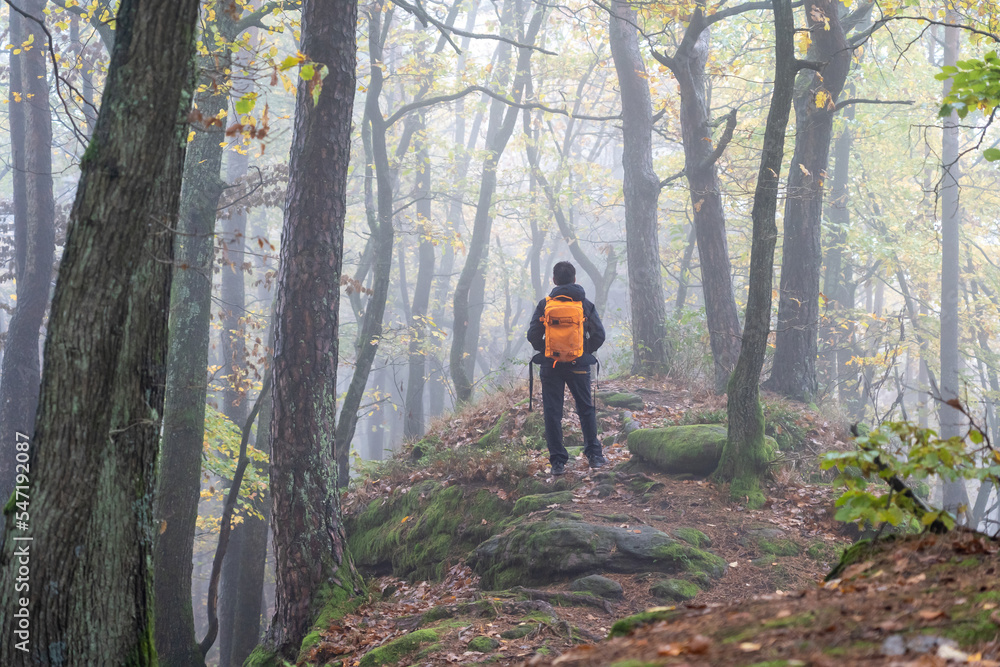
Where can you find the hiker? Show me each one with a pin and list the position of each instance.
(566, 331)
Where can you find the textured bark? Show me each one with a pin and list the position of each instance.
(179, 478)
(642, 190)
(34, 235)
(794, 368)
(700, 167)
(466, 301)
(97, 431)
(309, 541)
(744, 458)
(952, 421)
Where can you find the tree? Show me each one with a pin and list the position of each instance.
(468, 298)
(701, 169)
(311, 564)
(796, 348)
(34, 229)
(179, 478)
(952, 421)
(642, 189)
(94, 453)
(745, 456)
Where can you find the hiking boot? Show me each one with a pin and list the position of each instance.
(597, 461)
(558, 469)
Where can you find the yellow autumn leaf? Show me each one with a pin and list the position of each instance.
(404, 519)
(822, 97)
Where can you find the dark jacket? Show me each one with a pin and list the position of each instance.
(593, 330)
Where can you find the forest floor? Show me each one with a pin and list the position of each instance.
(915, 601)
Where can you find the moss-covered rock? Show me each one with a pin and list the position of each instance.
(771, 542)
(401, 647)
(483, 644)
(625, 400)
(599, 586)
(528, 504)
(692, 536)
(676, 450)
(540, 551)
(674, 590)
(627, 625)
(416, 534)
(493, 437)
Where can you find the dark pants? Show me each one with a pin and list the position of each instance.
(554, 381)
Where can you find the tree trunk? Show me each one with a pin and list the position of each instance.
(311, 562)
(700, 167)
(418, 350)
(794, 369)
(179, 478)
(34, 234)
(642, 190)
(745, 457)
(370, 327)
(839, 284)
(466, 305)
(93, 465)
(234, 397)
(250, 583)
(952, 421)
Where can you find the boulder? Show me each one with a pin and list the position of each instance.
(599, 586)
(528, 504)
(674, 590)
(616, 399)
(678, 450)
(683, 450)
(534, 553)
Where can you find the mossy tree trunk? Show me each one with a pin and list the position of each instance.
(310, 546)
(745, 456)
(34, 233)
(97, 433)
(179, 478)
(648, 307)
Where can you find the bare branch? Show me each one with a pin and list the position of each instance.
(727, 136)
(841, 105)
(255, 19)
(420, 104)
(425, 18)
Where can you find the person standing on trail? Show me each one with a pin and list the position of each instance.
(565, 330)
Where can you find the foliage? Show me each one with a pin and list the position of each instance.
(975, 85)
(220, 457)
(902, 451)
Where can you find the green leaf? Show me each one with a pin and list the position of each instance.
(246, 104)
(991, 154)
(308, 71)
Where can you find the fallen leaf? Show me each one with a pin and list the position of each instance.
(930, 614)
(699, 644)
(856, 569)
(749, 647)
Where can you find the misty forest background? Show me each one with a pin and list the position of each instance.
(487, 141)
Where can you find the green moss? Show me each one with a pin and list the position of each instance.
(692, 536)
(483, 644)
(394, 651)
(493, 438)
(679, 449)
(261, 657)
(528, 504)
(418, 534)
(971, 625)
(824, 552)
(779, 546)
(686, 558)
(803, 620)
(853, 554)
(674, 590)
(627, 625)
(518, 631)
(621, 400)
(746, 459)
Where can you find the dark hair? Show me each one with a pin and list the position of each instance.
(563, 273)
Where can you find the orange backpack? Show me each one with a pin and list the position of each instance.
(563, 320)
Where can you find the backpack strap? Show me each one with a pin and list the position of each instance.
(531, 382)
